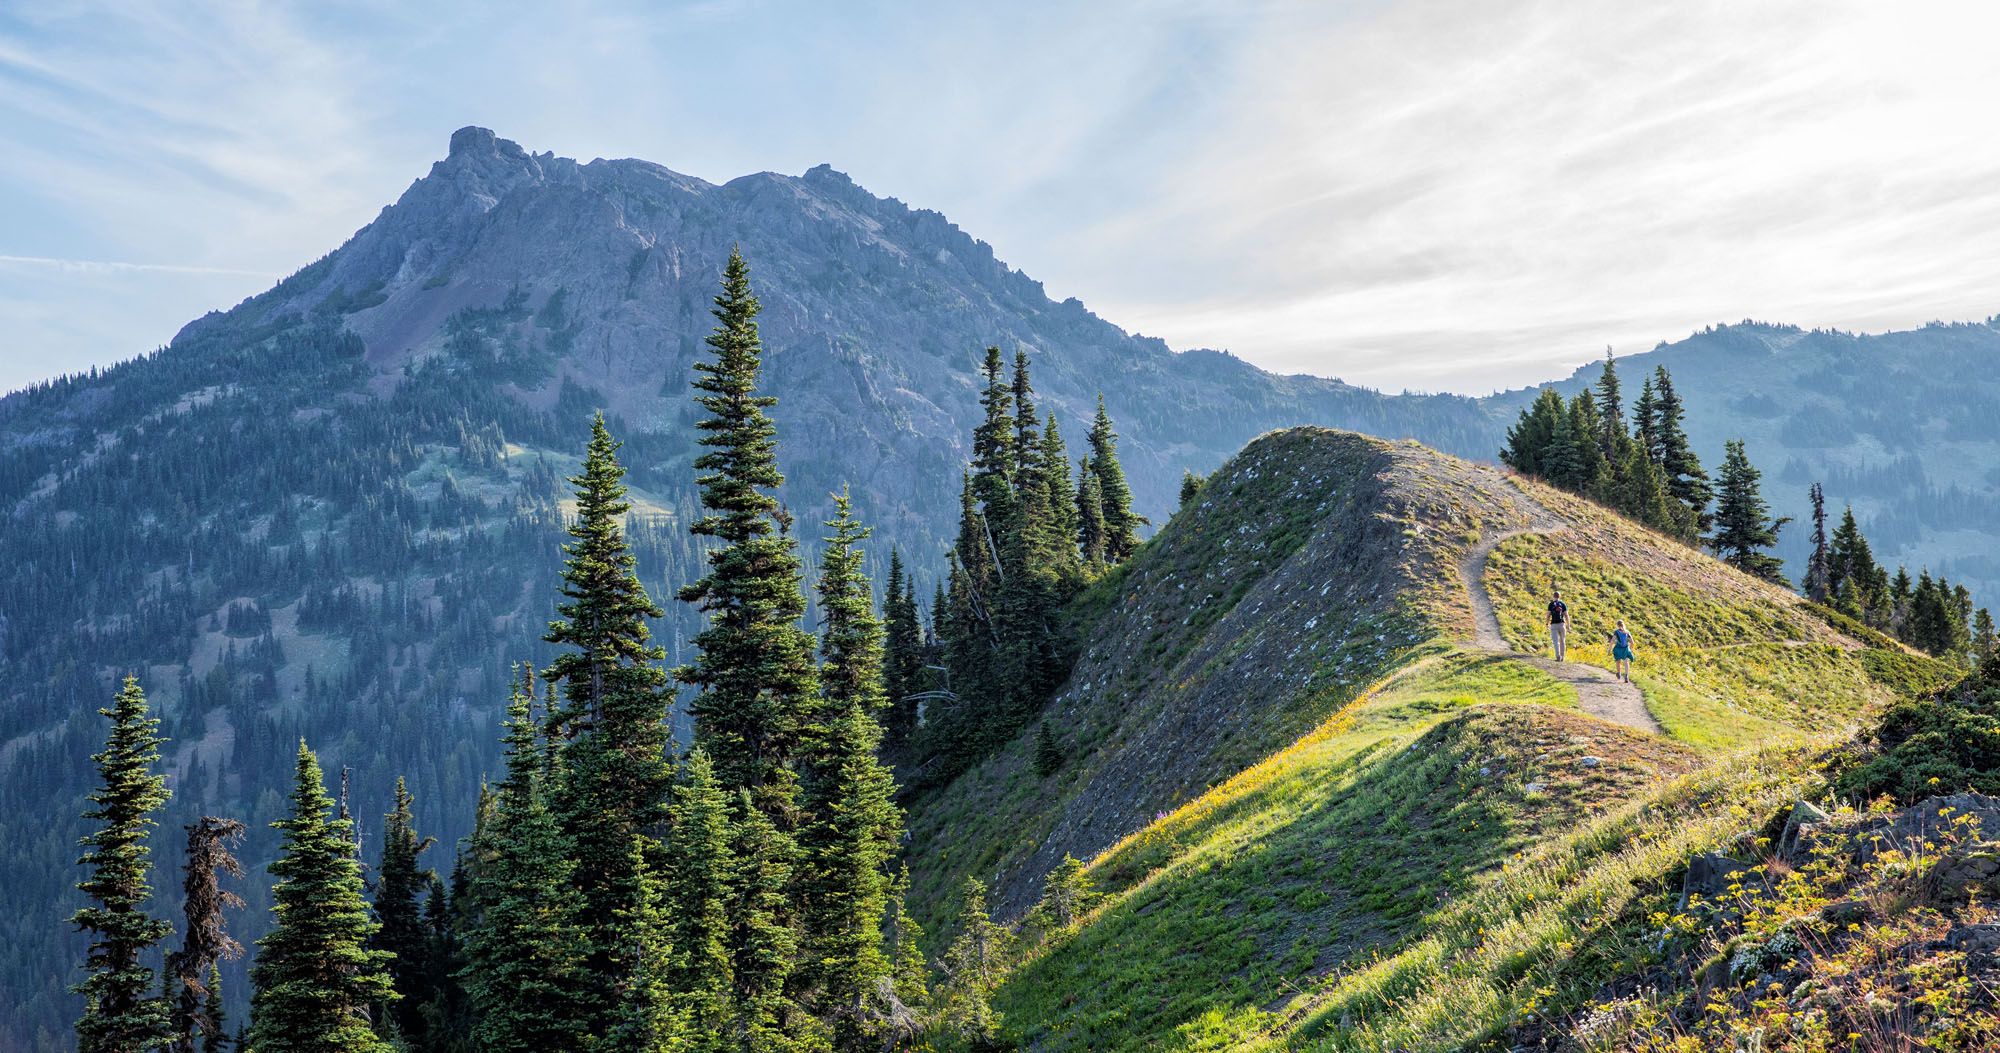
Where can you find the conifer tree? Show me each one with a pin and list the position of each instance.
(910, 972)
(1646, 422)
(1190, 486)
(1611, 436)
(973, 966)
(763, 941)
(614, 711)
(1744, 530)
(401, 933)
(525, 975)
(122, 1013)
(1533, 438)
(1928, 624)
(1642, 493)
(1090, 530)
(903, 659)
(213, 1017)
(315, 977)
(1027, 444)
(652, 1018)
(1851, 570)
(1814, 584)
(1121, 524)
(1983, 638)
(1593, 471)
(448, 1019)
(1063, 521)
(852, 826)
(1685, 479)
(205, 940)
(754, 674)
(993, 461)
(1068, 893)
(700, 872)
(1561, 461)
(1048, 754)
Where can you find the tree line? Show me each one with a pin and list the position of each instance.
(1649, 472)
(1929, 613)
(1033, 530)
(618, 893)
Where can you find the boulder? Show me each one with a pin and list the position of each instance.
(1710, 875)
(1967, 871)
(1794, 844)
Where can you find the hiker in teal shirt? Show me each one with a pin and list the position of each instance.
(1621, 651)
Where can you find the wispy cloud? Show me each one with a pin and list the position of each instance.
(116, 267)
(1429, 193)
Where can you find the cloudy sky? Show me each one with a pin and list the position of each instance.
(1440, 196)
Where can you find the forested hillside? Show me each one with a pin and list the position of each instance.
(1900, 425)
(322, 513)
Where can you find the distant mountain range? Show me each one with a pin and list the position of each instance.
(333, 510)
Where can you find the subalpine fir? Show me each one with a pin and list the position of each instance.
(123, 1012)
(614, 772)
(401, 883)
(852, 825)
(316, 979)
(526, 976)
(754, 675)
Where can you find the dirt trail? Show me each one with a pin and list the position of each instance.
(1599, 692)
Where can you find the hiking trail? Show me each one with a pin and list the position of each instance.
(1598, 691)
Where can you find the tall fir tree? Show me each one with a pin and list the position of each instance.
(700, 872)
(1090, 530)
(764, 942)
(1121, 524)
(1534, 437)
(316, 978)
(1611, 435)
(401, 883)
(1642, 492)
(1851, 570)
(651, 1017)
(122, 1010)
(448, 1019)
(1744, 530)
(1818, 564)
(1646, 422)
(852, 824)
(1984, 639)
(1686, 481)
(1027, 444)
(614, 711)
(903, 658)
(205, 938)
(526, 976)
(1062, 508)
(754, 674)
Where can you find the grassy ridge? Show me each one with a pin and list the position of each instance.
(1724, 663)
(1220, 910)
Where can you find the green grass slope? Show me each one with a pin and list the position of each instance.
(1289, 774)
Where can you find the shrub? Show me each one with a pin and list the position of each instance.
(1943, 743)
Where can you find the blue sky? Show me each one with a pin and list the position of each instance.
(1443, 196)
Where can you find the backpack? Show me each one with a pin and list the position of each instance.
(1558, 612)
